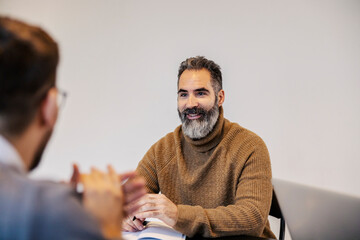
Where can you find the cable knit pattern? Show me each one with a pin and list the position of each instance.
(221, 184)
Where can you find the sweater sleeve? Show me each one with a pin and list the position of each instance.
(147, 169)
(247, 216)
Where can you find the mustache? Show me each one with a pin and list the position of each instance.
(195, 110)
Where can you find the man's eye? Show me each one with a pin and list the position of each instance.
(182, 94)
(201, 94)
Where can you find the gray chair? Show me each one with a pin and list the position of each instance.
(275, 211)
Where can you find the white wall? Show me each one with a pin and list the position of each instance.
(291, 74)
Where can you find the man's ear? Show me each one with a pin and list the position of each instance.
(49, 108)
(221, 97)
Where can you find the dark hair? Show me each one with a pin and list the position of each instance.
(200, 62)
(28, 61)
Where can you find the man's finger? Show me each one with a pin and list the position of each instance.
(129, 226)
(127, 175)
(134, 189)
(139, 224)
(149, 214)
(84, 178)
(134, 183)
(75, 178)
(94, 172)
(113, 174)
(131, 208)
(133, 196)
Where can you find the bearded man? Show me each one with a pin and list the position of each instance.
(214, 175)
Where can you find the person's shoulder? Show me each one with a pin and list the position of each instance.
(169, 141)
(165, 149)
(50, 200)
(37, 191)
(240, 134)
(60, 211)
(52, 192)
(44, 209)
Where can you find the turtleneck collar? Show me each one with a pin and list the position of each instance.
(212, 139)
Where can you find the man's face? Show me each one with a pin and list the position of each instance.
(197, 103)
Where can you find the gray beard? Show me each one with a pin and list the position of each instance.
(200, 128)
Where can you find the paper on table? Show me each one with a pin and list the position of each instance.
(154, 230)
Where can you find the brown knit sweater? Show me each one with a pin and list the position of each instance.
(221, 184)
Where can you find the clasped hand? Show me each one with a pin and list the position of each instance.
(151, 206)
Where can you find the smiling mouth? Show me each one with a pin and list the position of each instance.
(193, 116)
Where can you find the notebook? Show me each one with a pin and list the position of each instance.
(155, 230)
(314, 213)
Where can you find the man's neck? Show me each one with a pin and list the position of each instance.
(26, 145)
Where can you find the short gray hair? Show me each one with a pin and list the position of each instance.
(200, 62)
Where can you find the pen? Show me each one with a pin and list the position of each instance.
(144, 222)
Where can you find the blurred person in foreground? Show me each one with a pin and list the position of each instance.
(214, 175)
(29, 103)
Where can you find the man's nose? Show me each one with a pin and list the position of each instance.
(192, 102)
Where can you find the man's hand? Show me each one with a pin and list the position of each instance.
(133, 225)
(157, 206)
(133, 189)
(103, 198)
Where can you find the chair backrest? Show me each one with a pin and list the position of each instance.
(275, 211)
